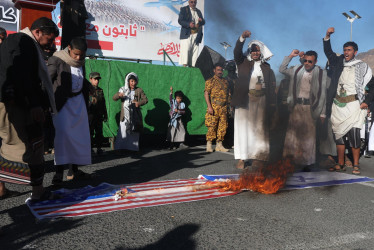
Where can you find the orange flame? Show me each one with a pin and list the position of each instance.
(267, 179)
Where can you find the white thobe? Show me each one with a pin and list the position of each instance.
(251, 139)
(350, 116)
(127, 139)
(72, 140)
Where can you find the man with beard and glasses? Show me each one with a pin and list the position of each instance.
(23, 77)
(307, 104)
(254, 102)
(346, 100)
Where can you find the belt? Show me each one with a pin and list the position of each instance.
(72, 94)
(303, 101)
(346, 99)
(219, 102)
(256, 93)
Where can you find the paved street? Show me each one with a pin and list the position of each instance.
(337, 217)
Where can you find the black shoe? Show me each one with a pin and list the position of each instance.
(100, 151)
(307, 168)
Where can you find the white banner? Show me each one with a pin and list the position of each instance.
(138, 29)
(8, 16)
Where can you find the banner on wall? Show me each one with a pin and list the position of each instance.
(139, 29)
(9, 16)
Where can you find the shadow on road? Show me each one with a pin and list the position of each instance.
(25, 229)
(178, 238)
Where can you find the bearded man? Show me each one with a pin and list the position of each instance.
(254, 102)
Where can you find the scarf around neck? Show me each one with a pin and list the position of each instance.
(64, 56)
(43, 71)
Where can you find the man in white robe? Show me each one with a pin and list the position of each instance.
(346, 100)
(254, 102)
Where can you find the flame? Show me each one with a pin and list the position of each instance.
(267, 179)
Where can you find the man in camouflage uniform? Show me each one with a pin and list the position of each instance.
(216, 95)
(97, 113)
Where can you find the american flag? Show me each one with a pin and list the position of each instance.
(95, 200)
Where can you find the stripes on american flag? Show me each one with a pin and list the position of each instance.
(95, 200)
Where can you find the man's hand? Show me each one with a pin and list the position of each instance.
(301, 54)
(294, 53)
(121, 94)
(136, 103)
(322, 119)
(246, 34)
(329, 31)
(363, 106)
(210, 111)
(192, 25)
(37, 114)
(171, 89)
(175, 110)
(200, 19)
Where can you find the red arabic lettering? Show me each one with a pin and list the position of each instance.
(170, 48)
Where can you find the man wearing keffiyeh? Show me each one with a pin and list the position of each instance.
(346, 102)
(254, 102)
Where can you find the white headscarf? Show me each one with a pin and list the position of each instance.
(265, 52)
(127, 99)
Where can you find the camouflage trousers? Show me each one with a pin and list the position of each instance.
(216, 123)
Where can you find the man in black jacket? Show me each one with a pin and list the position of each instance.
(191, 20)
(346, 100)
(24, 82)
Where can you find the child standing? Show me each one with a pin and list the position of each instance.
(131, 121)
(97, 113)
(176, 131)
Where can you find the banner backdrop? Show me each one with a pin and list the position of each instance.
(8, 16)
(155, 80)
(138, 29)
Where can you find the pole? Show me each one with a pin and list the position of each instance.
(351, 30)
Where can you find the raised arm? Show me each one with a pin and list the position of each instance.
(238, 50)
(331, 55)
(284, 66)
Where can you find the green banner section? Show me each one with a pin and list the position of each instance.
(155, 80)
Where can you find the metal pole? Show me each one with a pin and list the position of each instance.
(351, 30)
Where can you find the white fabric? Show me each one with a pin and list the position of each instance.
(265, 52)
(305, 85)
(188, 51)
(250, 138)
(350, 116)
(256, 73)
(72, 139)
(371, 138)
(127, 139)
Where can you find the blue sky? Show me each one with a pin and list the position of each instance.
(284, 25)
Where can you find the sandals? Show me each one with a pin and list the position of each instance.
(337, 168)
(240, 164)
(348, 162)
(79, 175)
(356, 170)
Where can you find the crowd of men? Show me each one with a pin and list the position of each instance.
(326, 109)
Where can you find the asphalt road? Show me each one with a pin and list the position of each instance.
(337, 217)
